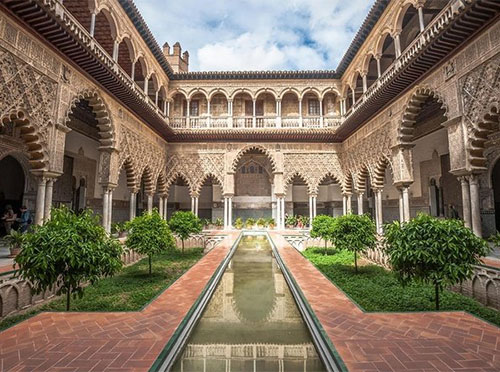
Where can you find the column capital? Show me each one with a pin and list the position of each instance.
(227, 195)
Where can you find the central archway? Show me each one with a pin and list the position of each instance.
(254, 187)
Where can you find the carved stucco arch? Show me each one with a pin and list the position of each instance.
(131, 172)
(413, 107)
(173, 176)
(248, 148)
(146, 175)
(377, 180)
(107, 130)
(36, 147)
(197, 187)
(290, 177)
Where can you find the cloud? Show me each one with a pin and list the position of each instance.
(257, 34)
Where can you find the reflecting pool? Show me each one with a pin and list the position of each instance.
(251, 322)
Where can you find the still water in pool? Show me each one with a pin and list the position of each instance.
(251, 322)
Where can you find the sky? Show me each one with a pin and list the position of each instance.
(225, 35)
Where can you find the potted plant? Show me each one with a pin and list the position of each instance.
(238, 223)
(261, 222)
(219, 222)
(15, 240)
(249, 223)
(205, 222)
(291, 221)
(270, 223)
(118, 229)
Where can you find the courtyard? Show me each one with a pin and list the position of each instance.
(314, 187)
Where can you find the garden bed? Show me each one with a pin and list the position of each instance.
(129, 290)
(376, 289)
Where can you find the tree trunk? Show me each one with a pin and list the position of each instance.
(436, 287)
(68, 297)
(182, 240)
(326, 243)
(355, 262)
(150, 269)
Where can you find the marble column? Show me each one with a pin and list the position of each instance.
(475, 205)
(421, 18)
(401, 206)
(40, 200)
(226, 213)
(464, 183)
(192, 204)
(349, 203)
(150, 203)
(160, 206)
(406, 203)
(165, 208)
(133, 205)
(196, 200)
(378, 210)
(110, 210)
(344, 204)
(230, 213)
(283, 212)
(49, 190)
(360, 203)
(105, 207)
(310, 209)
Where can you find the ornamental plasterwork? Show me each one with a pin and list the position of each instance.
(142, 153)
(313, 167)
(479, 91)
(24, 89)
(195, 168)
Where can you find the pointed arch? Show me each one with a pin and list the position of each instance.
(206, 177)
(130, 173)
(107, 133)
(147, 177)
(378, 176)
(249, 148)
(173, 177)
(36, 146)
(296, 175)
(412, 109)
(362, 176)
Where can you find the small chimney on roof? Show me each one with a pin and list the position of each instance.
(177, 62)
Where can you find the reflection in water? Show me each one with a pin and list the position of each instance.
(251, 322)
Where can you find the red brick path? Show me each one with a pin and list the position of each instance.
(446, 341)
(127, 341)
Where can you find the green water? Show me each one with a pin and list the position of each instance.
(251, 322)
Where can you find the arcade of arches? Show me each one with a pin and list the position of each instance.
(256, 144)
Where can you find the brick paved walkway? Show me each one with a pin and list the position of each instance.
(446, 341)
(126, 341)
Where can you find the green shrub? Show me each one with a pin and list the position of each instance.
(249, 222)
(219, 222)
(261, 222)
(185, 224)
(303, 221)
(434, 251)
(149, 235)
(354, 233)
(322, 227)
(270, 223)
(238, 223)
(67, 252)
(291, 221)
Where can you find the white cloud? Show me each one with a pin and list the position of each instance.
(257, 34)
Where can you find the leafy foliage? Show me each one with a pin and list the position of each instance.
(219, 222)
(149, 235)
(238, 223)
(129, 290)
(15, 239)
(434, 251)
(250, 222)
(68, 251)
(322, 227)
(261, 222)
(377, 289)
(291, 221)
(185, 224)
(355, 233)
(270, 222)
